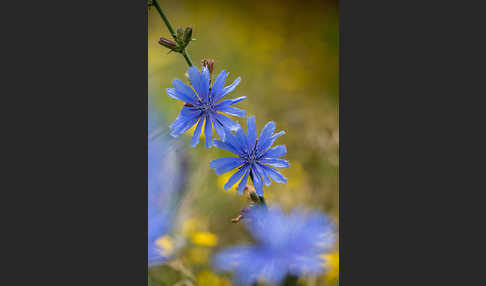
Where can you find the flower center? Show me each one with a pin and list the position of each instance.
(207, 107)
(252, 157)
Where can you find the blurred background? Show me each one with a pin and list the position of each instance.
(286, 53)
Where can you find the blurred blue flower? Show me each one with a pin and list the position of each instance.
(286, 244)
(254, 157)
(159, 224)
(165, 182)
(202, 105)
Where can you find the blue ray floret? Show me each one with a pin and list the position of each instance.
(255, 157)
(286, 244)
(202, 105)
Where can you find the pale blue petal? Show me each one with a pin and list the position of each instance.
(205, 76)
(265, 178)
(228, 102)
(183, 92)
(232, 141)
(225, 121)
(251, 133)
(277, 163)
(225, 146)
(196, 80)
(231, 110)
(208, 131)
(275, 152)
(183, 117)
(242, 184)
(269, 142)
(274, 174)
(257, 182)
(266, 133)
(234, 178)
(219, 127)
(197, 133)
(227, 90)
(183, 122)
(218, 85)
(241, 139)
(225, 164)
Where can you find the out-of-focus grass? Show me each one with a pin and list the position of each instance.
(286, 53)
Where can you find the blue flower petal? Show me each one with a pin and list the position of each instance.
(274, 174)
(257, 181)
(218, 85)
(225, 164)
(228, 102)
(277, 163)
(219, 128)
(225, 146)
(227, 90)
(197, 133)
(231, 110)
(241, 139)
(251, 133)
(208, 131)
(266, 133)
(183, 122)
(225, 121)
(234, 178)
(285, 244)
(205, 76)
(183, 92)
(233, 143)
(265, 178)
(242, 184)
(269, 141)
(275, 152)
(197, 82)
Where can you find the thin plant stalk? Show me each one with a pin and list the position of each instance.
(171, 30)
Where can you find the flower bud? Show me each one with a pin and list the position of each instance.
(179, 33)
(168, 44)
(187, 36)
(209, 64)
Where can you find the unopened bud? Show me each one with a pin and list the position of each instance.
(187, 36)
(179, 33)
(209, 64)
(168, 44)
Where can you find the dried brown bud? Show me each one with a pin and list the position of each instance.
(236, 219)
(168, 44)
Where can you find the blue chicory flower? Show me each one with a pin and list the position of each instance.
(202, 105)
(159, 224)
(255, 157)
(165, 183)
(286, 244)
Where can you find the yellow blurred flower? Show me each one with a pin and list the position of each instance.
(165, 244)
(207, 278)
(332, 264)
(204, 239)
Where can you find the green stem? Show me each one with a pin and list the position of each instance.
(171, 30)
(262, 201)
